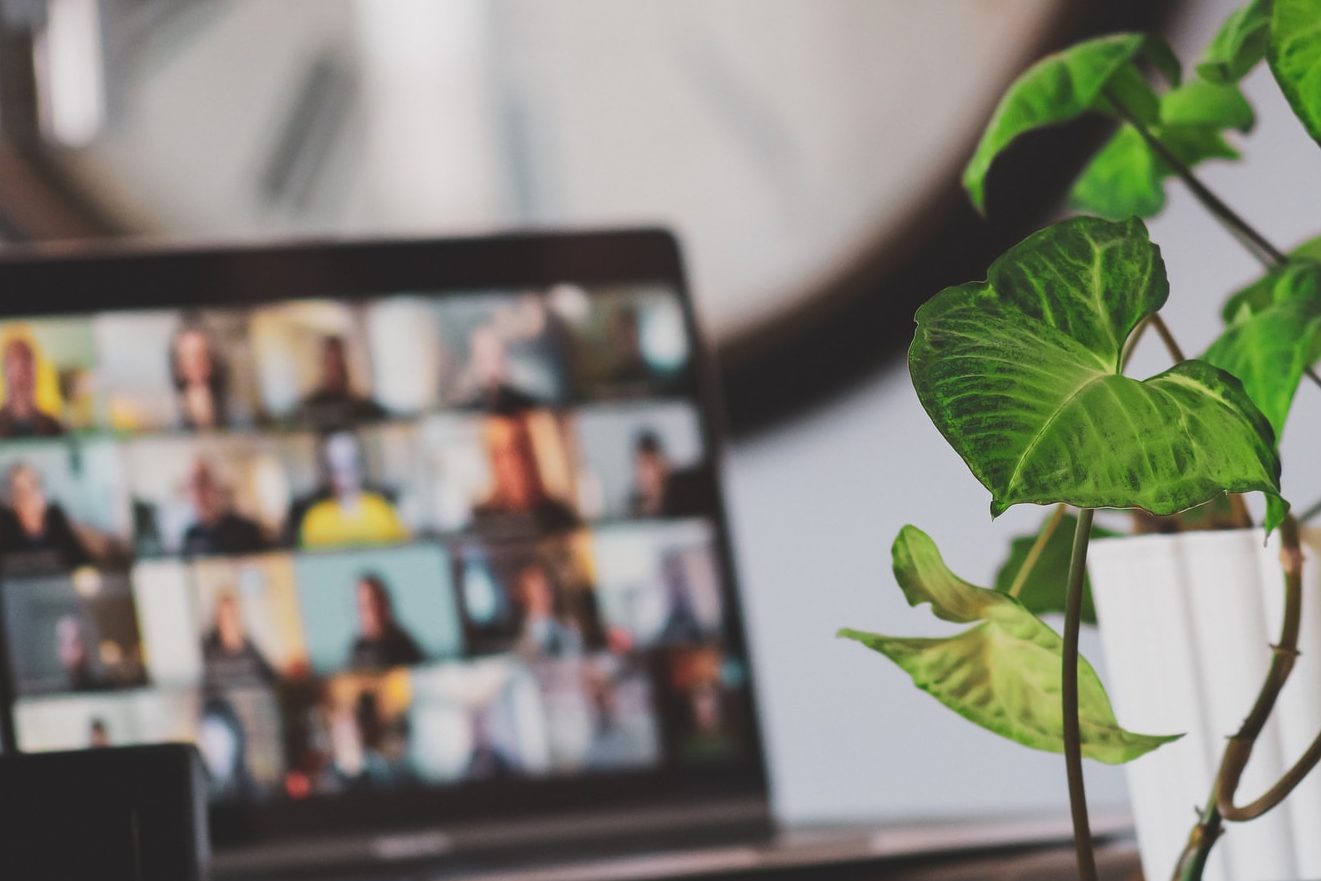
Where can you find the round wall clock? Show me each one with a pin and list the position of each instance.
(805, 151)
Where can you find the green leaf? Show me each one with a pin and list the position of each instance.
(1127, 178)
(1021, 374)
(1124, 179)
(1273, 337)
(1044, 587)
(1057, 89)
(1202, 103)
(1004, 673)
(1295, 58)
(1308, 250)
(1239, 44)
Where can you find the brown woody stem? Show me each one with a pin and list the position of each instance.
(1220, 805)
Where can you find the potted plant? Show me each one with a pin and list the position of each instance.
(1024, 375)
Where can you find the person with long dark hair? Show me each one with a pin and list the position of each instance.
(381, 641)
(200, 377)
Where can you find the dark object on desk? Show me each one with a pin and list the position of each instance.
(125, 814)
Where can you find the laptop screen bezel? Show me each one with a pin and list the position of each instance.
(77, 279)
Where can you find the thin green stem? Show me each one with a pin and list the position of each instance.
(1034, 553)
(1210, 823)
(1082, 832)
(1255, 242)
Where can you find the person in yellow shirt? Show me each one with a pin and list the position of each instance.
(351, 514)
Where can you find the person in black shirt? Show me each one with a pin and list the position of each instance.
(229, 655)
(217, 530)
(34, 532)
(332, 402)
(382, 641)
(20, 416)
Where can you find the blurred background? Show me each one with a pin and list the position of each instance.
(807, 154)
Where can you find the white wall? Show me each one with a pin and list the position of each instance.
(816, 507)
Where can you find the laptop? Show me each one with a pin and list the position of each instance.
(421, 543)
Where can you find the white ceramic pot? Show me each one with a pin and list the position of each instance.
(1186, 624)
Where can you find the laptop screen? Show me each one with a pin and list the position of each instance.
(371, 549)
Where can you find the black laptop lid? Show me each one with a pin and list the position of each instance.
(400, 534)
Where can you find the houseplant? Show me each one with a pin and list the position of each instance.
(1023, 374)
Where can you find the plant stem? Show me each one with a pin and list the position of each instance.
(1312, 375)
(1309, 513)
(1131, 343)
(1082, 833)
(1261, 248)
(1163, 330)
(1034, 553)
(1192, 862)
(1210, 823)
(1285, 653)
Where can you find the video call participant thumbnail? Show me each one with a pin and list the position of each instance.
(20, 416)
(382, 641)
(373, 609)
(537, 600)
(519, 502)
(358, 734)
(345, 511)
(478, 720)
(660, 489)
(599, 712)
(217, 528)
(35, 533)
(229, 655)
(705, 704)
(200, 377)
(72, 633)
(245, 616)
(333, 402)
(240, 738)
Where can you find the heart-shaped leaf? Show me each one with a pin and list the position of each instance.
(1043, 588)
(1064, 86)
(1021, 374)
(1124, 179)
(1295, 58)
(1127, 178)
(1239, 44)
(1274, 335)
(1004, 673)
